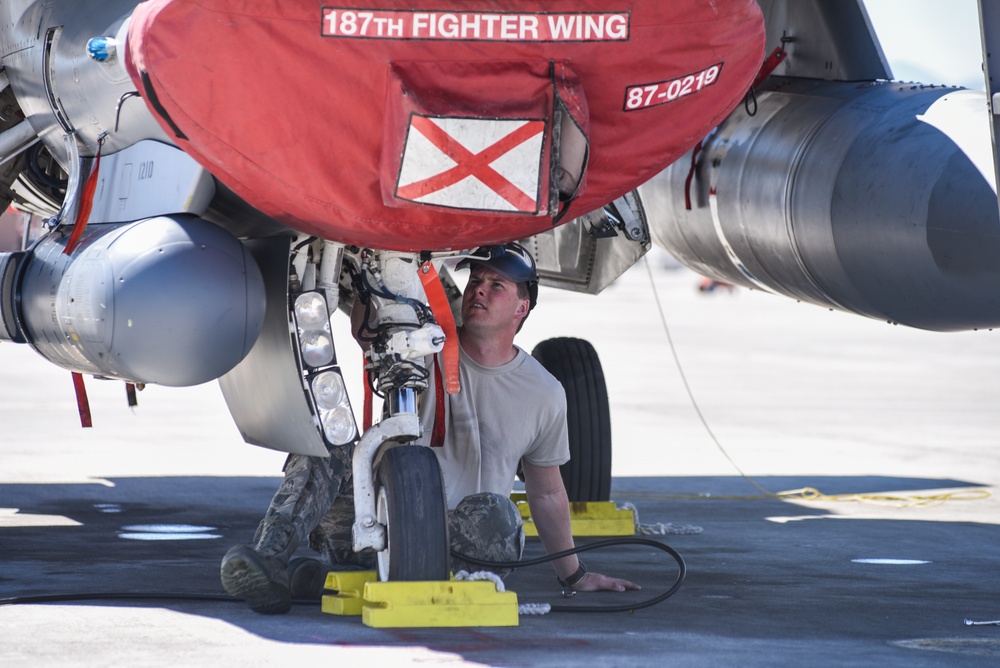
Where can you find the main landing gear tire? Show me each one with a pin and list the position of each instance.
(411, 506)
(574, 362)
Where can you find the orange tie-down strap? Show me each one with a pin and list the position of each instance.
(441, 309)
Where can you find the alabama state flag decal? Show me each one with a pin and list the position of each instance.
(480, 164)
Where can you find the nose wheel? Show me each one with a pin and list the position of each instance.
(410, 504)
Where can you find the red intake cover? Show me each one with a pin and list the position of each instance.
(439, 124)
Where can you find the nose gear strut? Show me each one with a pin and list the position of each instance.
(399, 509)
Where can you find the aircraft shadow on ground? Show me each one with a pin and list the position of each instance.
(92, 554)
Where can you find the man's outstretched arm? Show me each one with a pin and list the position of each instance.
(550, 512)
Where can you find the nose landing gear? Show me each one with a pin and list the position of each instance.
(399, 496)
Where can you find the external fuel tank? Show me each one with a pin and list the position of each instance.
(875, 198)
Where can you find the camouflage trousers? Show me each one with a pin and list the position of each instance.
(315, 503)
(488, 527)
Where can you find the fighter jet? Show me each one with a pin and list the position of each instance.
(218, 179)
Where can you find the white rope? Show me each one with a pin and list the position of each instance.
(660, 528)
(481, 575)
(523, 609)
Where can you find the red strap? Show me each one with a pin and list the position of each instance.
(366, 416)
(441, 309)
(86, 204)
(770, 64)
(437, 435)
(130, 395)
(82, 404)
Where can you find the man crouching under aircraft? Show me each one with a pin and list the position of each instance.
(509, 410)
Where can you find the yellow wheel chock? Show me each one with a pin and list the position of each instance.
(588, 518)
(349, 586)
(450, 603)
(457, 603)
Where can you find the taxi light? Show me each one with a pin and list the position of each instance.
(333, 407)
(322, 379)
(310, 310)
(312, 323)
(328, 388)
(338, 425)
(317, 349)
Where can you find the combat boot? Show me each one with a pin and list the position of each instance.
(260, 581)
(307, 578)
(258, 574)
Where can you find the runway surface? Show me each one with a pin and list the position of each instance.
(896, 428)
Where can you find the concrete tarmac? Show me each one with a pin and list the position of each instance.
(897, 429)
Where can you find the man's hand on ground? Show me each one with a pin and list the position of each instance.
(597, 582)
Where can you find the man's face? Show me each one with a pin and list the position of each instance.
(490, 301)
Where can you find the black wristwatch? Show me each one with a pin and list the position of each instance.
(580, 573)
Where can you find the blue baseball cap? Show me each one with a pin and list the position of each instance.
(512, 261)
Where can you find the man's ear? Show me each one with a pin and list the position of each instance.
(522, 309)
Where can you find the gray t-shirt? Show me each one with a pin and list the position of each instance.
(502, 414)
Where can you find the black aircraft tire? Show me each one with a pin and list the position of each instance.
(575, 364)
(411, 505)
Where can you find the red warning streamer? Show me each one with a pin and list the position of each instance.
(86, 203)
(82, 403)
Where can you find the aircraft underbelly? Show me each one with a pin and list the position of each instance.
(433, 125)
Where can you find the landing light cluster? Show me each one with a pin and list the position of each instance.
(324, 382)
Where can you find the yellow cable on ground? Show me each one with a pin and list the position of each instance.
(805, 493)
(896, 500)
(812, 494)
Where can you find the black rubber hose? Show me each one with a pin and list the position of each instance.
(628, 607)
